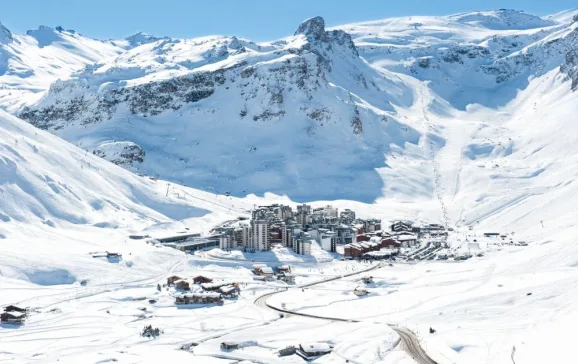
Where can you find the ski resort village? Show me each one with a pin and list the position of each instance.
(395, 191)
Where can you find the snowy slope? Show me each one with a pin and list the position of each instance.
(29, 63)
(309, 114)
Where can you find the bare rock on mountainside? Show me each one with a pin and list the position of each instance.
(124, 154)
(300, 89)
(5, 35)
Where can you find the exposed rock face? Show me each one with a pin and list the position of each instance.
(141, 38)
(313, 28)
(125, 154)
(5, 35)
(570, 68)
(202, 120)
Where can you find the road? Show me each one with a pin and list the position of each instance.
(408, 340)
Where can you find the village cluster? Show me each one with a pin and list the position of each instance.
(280, 225)
(205, 290)
(332, 230)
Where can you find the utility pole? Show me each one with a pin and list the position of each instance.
(168, 185)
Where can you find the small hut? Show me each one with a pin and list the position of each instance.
(290, 350)
(229, 345)
(360, 292)
(367, 279)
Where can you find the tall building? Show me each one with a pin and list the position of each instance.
(303, 214)
(302, 243)
(260, 229)
(347, 217)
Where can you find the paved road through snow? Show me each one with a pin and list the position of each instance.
(408, 340)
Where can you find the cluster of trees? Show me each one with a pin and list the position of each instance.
(149, 331)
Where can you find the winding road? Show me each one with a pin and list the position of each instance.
(408, 340)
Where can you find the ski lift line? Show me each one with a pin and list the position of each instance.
(214, 203)
(438, 187)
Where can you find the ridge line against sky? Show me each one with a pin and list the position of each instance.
(258, 20)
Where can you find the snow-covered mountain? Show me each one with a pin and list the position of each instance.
(363, 111)
(29, 63)
(311, 118)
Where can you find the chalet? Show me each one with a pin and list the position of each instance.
(199, 297)
(13, 308)
(312, 350)
(172, 279)
(406, 239)
(263, 270)
(267, 272)
(283, 269)
(229, 291)
(362, 237)
(287, 277)
(353, 250)
(113, 255)
(201, 279)
(390, 243)
(380, 255)
(491, 235)
(183, 284)
(13, 317)
(229, 345)
(215, 286)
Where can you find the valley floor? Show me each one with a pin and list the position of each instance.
(484, 310)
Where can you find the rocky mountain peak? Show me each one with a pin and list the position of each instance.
(5, 35)
(141, 38)
(312, 28)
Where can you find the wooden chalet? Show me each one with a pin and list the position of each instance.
(13, 317)
(172, 279)
(283, 269)
(229, 291)
(13, 308)
(287, 277)
(313, 350)
(263, 270)
(201, 279)
(215, 286)
(199, 298)
(183, 285)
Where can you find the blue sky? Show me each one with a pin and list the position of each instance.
(254, 19)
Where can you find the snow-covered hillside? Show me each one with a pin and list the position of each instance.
(468, 119)
(311, 118)
(29, 63)
(316, 115)
(365, 112)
